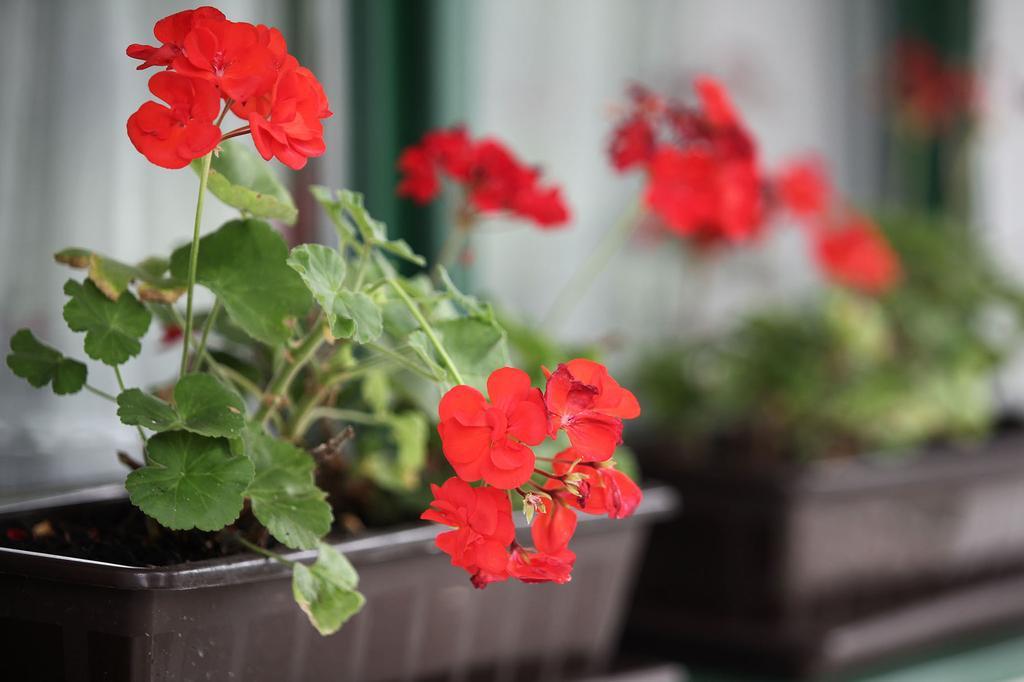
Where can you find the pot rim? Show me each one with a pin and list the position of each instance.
(375, 547)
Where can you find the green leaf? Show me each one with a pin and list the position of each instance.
(202, 405)
(393, 457)
(376, 390)
(283, 493)
(112, 328)
(245, 264)
(358, 317)
(420, 345)
(241, 179)
(476, 345)
(326, 591)
(113, 277)
(40, 364)
(350, 314)
(352, 220)
(190, 481)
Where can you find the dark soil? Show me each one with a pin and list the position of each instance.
(114, 533)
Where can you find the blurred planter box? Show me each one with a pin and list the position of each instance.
(71, 619)
(834, 565)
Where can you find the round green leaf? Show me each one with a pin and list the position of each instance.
(112, 328)
(190, 481)
(40, 364)
(245, 264)
(283, 493)
(326, 591)
(240, 178)
(202, 404)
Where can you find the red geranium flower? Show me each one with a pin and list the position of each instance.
(605, 490)
(171, 32)
(482, 519)
(489, 441)
(583, 399)
(171, 136)
(229, 54)
(633, 143)
(493, 178)
(292, 132)
(553, 526)
(804, 188)
(419, 178)
(856, 255)
(540, 567)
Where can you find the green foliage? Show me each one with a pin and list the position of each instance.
(245, 264)
(241, 179)
(850, 374)
(284, 496)
(40, 364)
(190, 481)
(326, 591)
(112, 328)
(202, 404)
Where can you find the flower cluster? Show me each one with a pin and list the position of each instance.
(705, 183)
(704, 179)
(208, 59)
(847, 246)
(931, 93)
(488, 439)
(493, 179)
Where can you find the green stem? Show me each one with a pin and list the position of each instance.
(355, 416)
(264, 552)
(427, 329)
(287, 372)
(364, 261)
(211, 318)
(583, 278)
(193, 263)
(401, 360)
(455, 243)
(102, 394)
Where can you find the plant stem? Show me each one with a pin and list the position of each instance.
(427, 329)
(339, 414)
(244, 130)
(211, 318)
(264, 552)
(102, 394)
(401, 360)
(582, 279)
(193, 263)
(286, 374)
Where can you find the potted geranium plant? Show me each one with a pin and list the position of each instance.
(843, 499)
(300, 403)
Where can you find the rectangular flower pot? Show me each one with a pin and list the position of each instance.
(234, 619)
(832, 566)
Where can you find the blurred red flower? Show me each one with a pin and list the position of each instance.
(804, 189)
(553, 526)
(932, 92)
(493, 178)
(856, 255)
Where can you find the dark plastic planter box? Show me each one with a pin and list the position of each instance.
(833, 566)
(234, 619)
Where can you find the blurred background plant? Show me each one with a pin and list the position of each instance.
(843, 374)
